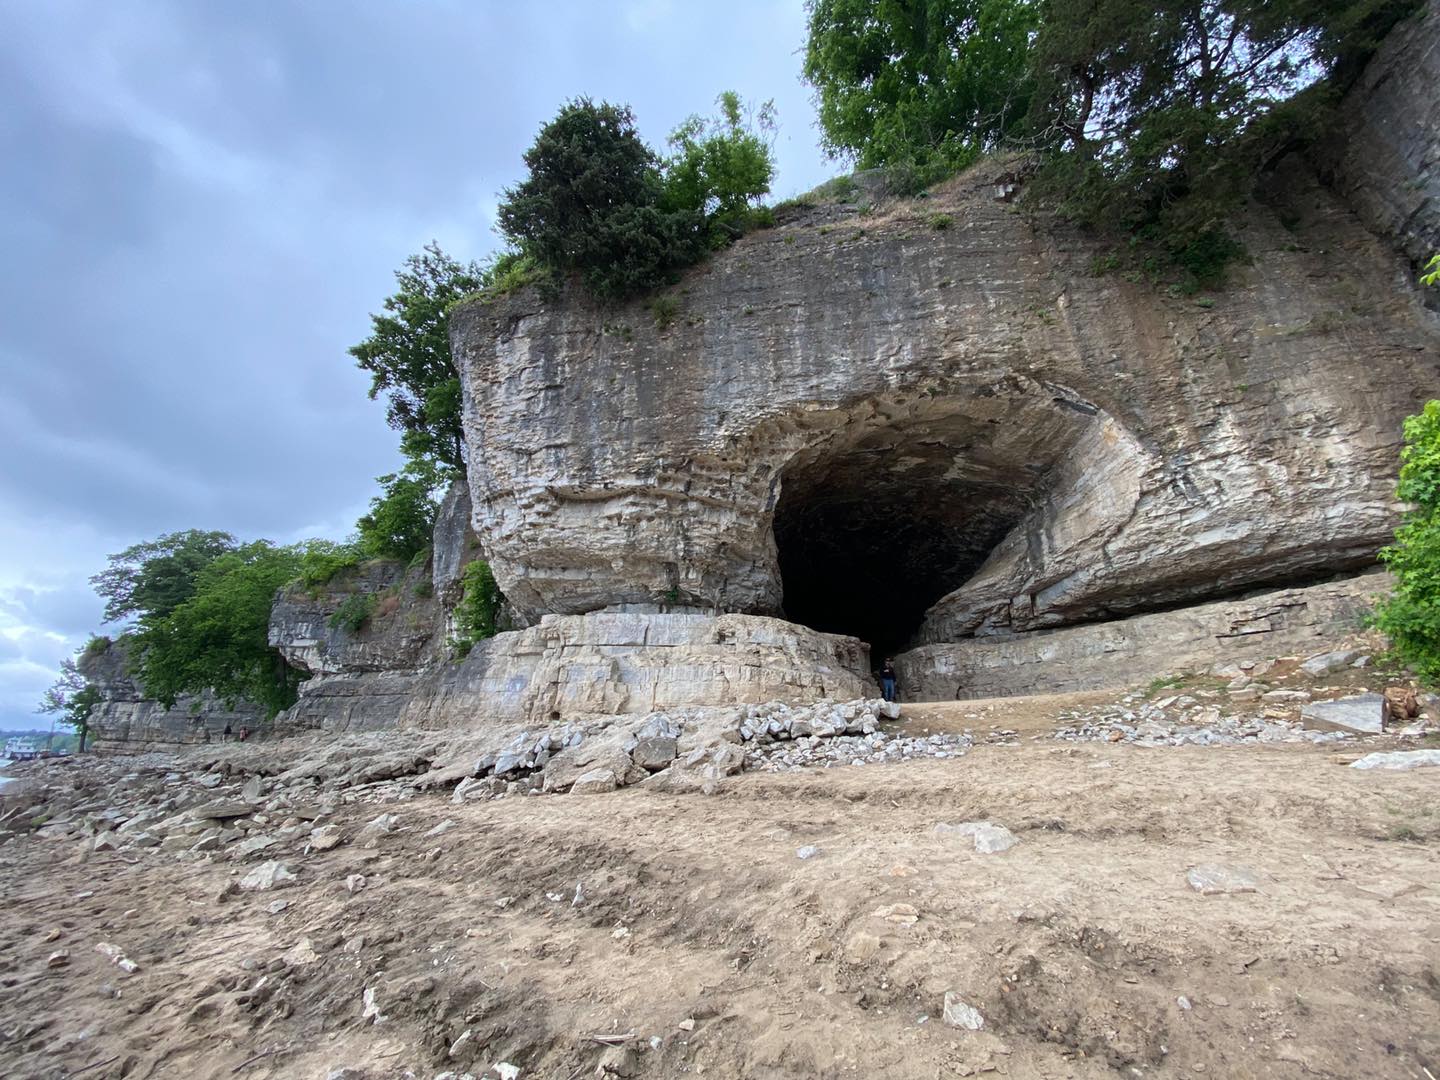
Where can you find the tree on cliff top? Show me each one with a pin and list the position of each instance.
(593, 204)
(218, 638)
(600, 203)
(149, 580)
(1152, 116)
(408, 356)
(924, 85)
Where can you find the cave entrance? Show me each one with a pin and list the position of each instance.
(897, 504)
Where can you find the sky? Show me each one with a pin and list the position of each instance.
(200, 205)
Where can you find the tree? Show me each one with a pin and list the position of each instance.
(720, 168)
(1164, 111)
(922, 84)
(408, 355)
(402, 517)
(592, 203)
(218, 639)
(72, 698)
(147, 581)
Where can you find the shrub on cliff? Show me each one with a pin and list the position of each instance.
(147, 581)
(1411, 616)
(598, 202)
(402, 517)
(477, 615)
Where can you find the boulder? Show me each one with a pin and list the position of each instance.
(958, 1014)
(1325, 663)
(988, 838)
(654, 753)
(595, 782)
(1212, 879)
(1363, 713)
(1398, 759)
(267, 876)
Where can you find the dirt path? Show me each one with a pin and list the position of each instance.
(699, 930)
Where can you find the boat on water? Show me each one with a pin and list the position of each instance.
(18, 749)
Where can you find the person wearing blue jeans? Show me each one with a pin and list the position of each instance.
(887, 680)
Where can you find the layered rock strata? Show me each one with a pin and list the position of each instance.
(126, 720)
(1129, 652)
(939, 406)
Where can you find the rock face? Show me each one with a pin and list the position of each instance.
(1132, 651)
(1382, 156)
(864, 423)
(125, 719)
(610, 664)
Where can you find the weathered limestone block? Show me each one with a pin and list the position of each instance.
(638, 663)
(1132, 651)
(404, 633)
(970, 420)
(126, 720)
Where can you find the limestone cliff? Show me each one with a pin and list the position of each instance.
(939, 411)
(125, 719)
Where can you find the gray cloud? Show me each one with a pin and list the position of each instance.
(200, 204)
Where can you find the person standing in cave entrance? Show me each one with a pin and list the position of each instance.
(887, 679)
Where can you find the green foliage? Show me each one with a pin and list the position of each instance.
(1152, 118)
(322, 560)
(424, 589)
(664, 308)
(941, 222)
(1431, 276)
(72, 697)
(720, 168)
(97, 645)
(477, 614)
(510, 270)
(218, 637)
(402, 517)
(408, 355)
(1411, 616)
(147, 581)
(920, 86)
(599, 203)
(354, 612)
(593, 203)
(1158, 116)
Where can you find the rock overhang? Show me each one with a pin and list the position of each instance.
(1138, 450)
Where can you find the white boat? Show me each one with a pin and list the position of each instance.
(18, 749)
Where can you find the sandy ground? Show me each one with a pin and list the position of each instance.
(686, 930)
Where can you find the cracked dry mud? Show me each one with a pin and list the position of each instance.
(699, 934)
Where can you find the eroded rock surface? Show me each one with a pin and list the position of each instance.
(855, 419)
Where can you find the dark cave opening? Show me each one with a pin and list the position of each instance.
(869, 540)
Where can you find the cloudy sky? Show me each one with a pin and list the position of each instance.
(201, 202)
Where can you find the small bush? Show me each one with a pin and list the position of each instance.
(95, 646)
(424, 589)
(1411, 616)
(664, 308)
(354, 612)
(322, 560)
(941, 222)
(477, 614)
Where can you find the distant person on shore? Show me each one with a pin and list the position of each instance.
(887, 680)
(244, 732)
(227, 733)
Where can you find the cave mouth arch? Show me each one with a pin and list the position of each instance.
(895, 503)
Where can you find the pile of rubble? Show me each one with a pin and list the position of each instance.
(1291, 706)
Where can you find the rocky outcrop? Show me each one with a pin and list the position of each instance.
(939, 411)
(1131, 652)
(126, 720)
(610, 664)
(403, 632)
(1384, 156)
